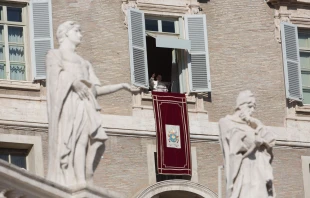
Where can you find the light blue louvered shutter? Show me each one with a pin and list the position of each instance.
(41, 31)
(199, 68)
(137, 48)
(291, 61)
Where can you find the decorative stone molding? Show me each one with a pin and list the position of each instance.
(278, 18)
(194, 8)
(20, 85)
(292, 11)
(179, 185)
(33, 144)
(162, 7)
(125, 6)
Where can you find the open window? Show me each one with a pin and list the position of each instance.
(174, 49)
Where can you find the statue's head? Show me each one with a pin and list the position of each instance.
(246, 102)
(70, 31)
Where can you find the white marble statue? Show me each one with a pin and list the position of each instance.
(247, 148)
(76, 138)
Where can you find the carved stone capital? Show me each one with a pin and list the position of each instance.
(194, 8)
(278, 18)
(125, 6)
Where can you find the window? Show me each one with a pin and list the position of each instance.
(166, 67)
(14, 156)
(291, 62)
(304, 53)
(12, 42)
(26, 35)
(18, 149)
(159, 45)
(162, 25)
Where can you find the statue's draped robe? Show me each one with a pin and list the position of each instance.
(246, 176)
(69, 117)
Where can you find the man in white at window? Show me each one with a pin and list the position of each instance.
(161, 86)
(152, 82)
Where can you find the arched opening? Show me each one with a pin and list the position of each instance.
(176, 188)
(178, 194)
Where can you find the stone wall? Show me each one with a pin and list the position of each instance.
(104, 44)
(244, 55)
(124, 166)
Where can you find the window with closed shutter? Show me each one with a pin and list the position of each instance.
(304, 53)
(291, 61)
(199, 68)
(41, 35)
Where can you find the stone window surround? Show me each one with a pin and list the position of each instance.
(33, 143)
(18, 1)
(163, 9)
(291, 11)
(15, 84)
(306, 174)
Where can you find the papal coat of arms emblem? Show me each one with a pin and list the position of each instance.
(173, 136)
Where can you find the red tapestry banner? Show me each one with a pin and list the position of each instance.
(172, 134)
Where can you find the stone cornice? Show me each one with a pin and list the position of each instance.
(20, 85)
(134, 126)
(17, 182)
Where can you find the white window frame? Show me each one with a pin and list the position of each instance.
(5, 23)
(159, 23)
(305, 50)
(180, 54)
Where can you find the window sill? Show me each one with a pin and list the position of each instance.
(14, 84)
(142, 107)
(18, 1)
(303, 109)
(295, 118)
(148, 96)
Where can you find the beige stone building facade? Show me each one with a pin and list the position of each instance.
(244, 50)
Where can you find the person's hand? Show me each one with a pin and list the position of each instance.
(126, 86)
(80, 89)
